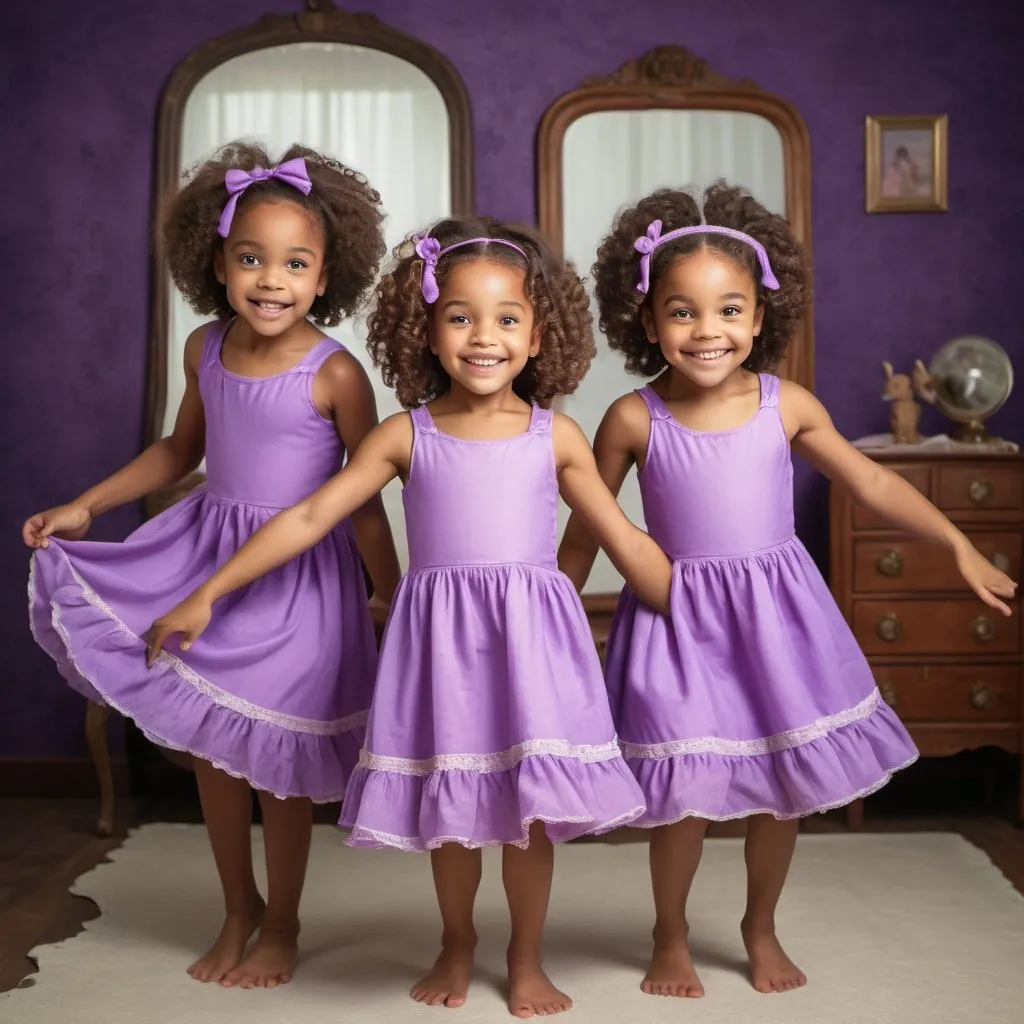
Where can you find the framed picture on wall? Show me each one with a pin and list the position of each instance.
(906, 164)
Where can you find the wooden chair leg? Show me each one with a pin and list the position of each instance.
(1020, 795)
(96, 718)
(855, 815)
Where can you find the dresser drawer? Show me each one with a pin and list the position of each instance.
(934, 627)
(915, 474)
(952, 693)
(979, 489)
(902, 565)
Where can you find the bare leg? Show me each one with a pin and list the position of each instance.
(675, 854)
(227, 810)
(287, 831)
(769, 852)
(96, 716)
(527, 877)
(457, 874)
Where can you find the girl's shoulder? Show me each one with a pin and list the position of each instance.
(202, 346)
(627, 422)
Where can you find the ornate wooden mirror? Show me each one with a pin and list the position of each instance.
(664, 119)
(381, 101)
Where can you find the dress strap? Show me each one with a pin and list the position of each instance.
(212, 342)
(540, 420)
(422, 421)
(655, 403)
(318, 355)
(769, 390)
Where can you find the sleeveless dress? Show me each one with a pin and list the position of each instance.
(753, 697)
(490, 710)
(277, 689)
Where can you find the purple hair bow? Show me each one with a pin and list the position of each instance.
(428, 249)
(646, 244)
(291, 172)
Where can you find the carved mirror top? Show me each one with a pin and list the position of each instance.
(674, 78)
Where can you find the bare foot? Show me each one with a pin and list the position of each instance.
(270, 963)
(770, 969)
(447, 982)
(229, 947)
(532, 993)
(672, 972)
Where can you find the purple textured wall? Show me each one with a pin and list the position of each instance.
(79, 85)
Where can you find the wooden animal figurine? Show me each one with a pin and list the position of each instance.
(925, 384)
(905, 411)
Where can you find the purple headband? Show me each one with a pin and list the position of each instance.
(429, 250)
(646, 244)
(291, 172)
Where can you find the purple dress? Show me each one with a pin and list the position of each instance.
(490, 710)
(276, 690)
(753, 697)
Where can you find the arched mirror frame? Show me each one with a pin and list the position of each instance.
(324, 23)
(671, 77)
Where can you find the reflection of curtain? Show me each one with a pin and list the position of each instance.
(612, 158)
(374, 112)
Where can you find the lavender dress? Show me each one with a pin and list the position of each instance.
(489, 711)
(276, 690)
(754, 696)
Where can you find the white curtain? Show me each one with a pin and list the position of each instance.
(376, 113)
(611, 159)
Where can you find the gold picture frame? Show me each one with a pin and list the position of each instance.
(906, 168)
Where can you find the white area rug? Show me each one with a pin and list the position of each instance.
(907, 929)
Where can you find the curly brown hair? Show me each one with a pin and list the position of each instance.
(347, 207)
(398, 326)
(617, 269)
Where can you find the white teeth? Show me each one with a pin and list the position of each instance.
(271, 305)
(483, 362)
(708, 356)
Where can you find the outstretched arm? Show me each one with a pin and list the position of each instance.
(632, 551)
(160, 465)
(350, 399)
(886, 493)
(383, 455)
(621, 435)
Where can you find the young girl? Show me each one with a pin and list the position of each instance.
(275, 697)
(752, 699)
(490, 723)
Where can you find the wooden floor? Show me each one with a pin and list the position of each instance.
(46, 844)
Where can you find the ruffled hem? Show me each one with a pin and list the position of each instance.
(831, 771)
(91, 647)
(415, 813)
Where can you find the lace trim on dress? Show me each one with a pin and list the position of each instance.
(368, 836)
(752, 748)
(498, 762)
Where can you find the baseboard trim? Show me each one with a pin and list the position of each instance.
(33, 777)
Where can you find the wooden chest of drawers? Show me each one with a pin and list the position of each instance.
(950, 666)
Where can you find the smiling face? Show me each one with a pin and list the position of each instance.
(704, 315)
(272, 265)
(483, 326)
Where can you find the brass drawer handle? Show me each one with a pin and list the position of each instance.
(1001, 561)
(980, 491)
(983, 629)
(889, 628)
(981, 697)
(888, 694)
(890, 564)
